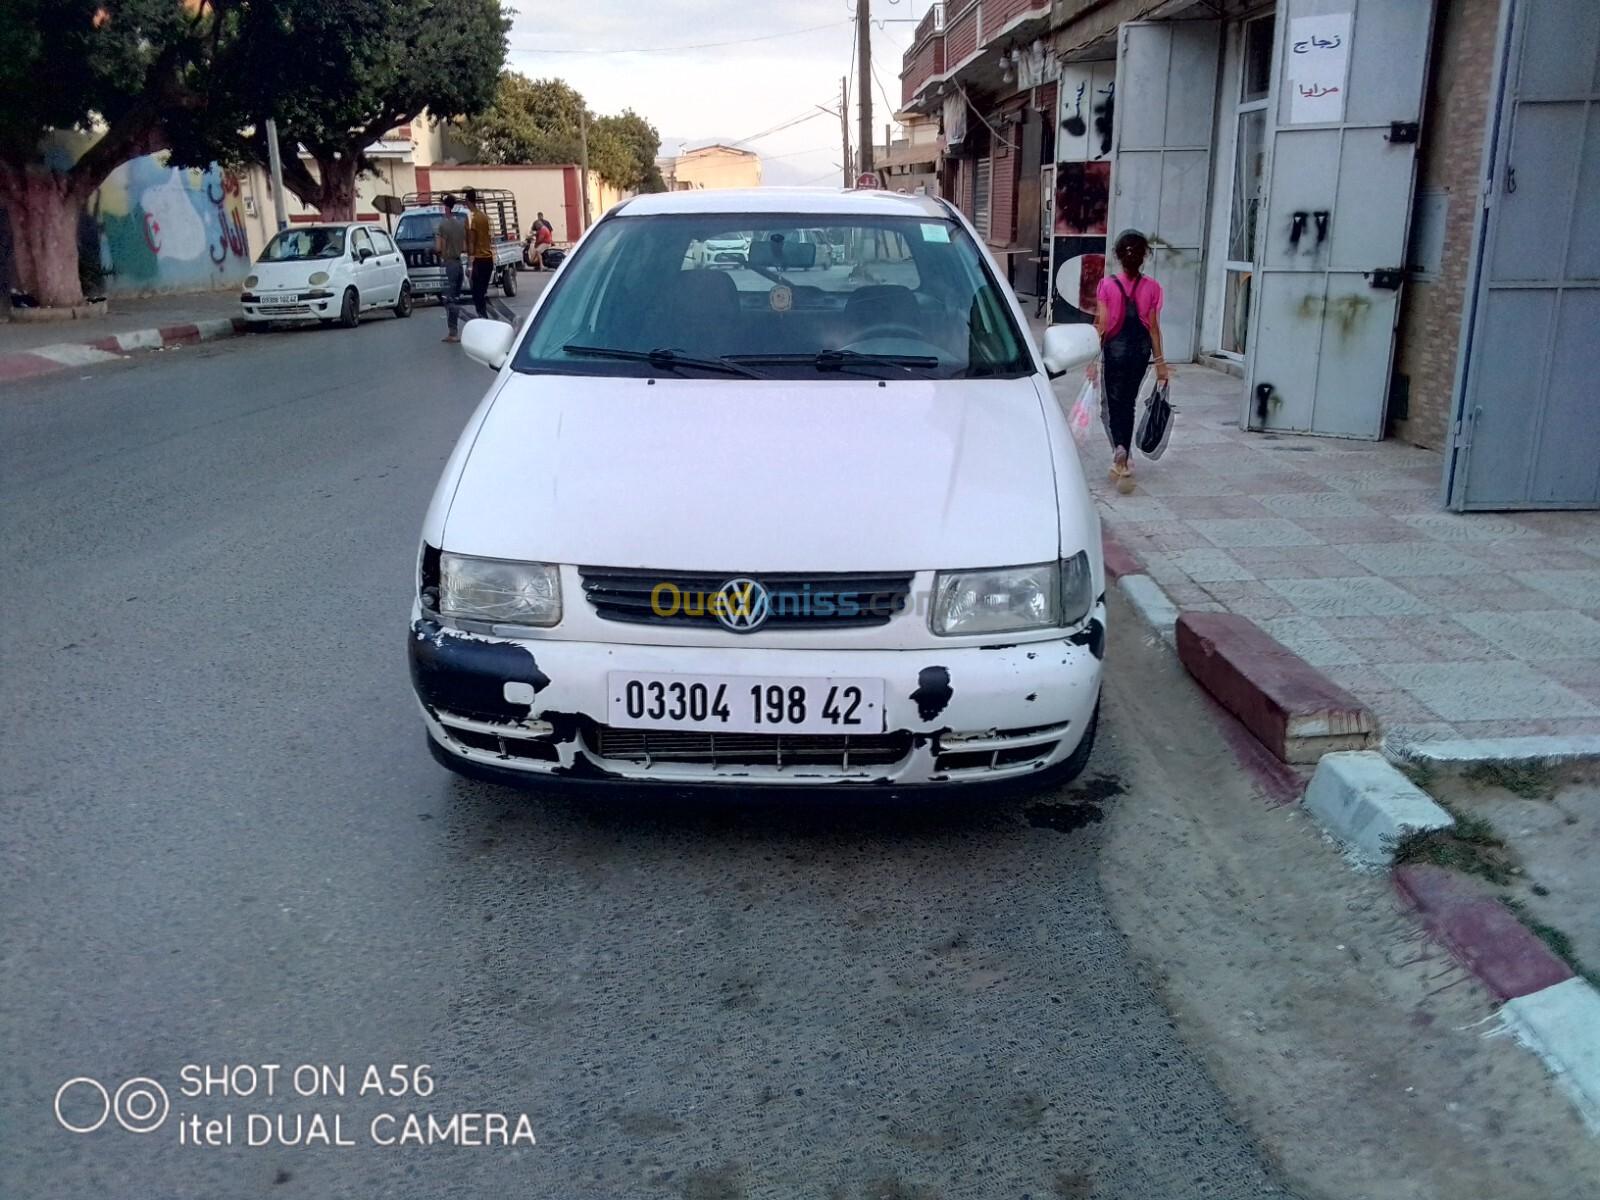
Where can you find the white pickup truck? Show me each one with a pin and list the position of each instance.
(420, 220)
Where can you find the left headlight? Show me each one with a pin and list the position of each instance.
(318, 278)
(499, 592)
(1013, 599)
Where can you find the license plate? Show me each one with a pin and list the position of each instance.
(744, 703)
(279, 299)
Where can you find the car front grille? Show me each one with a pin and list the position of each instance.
(421, 258)
(839, 752)
(798, 600)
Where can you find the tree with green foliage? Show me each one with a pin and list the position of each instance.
(360, 68)
(145, 75)
(629, 144)
(530, 121)
(539, 121)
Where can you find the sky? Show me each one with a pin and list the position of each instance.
(722, 93)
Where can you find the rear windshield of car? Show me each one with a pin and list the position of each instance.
(778, 296)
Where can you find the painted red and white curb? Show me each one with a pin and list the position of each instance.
(1366, 804)
(1550, 1009)
(60, 356)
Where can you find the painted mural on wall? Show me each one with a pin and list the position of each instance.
(166, 229)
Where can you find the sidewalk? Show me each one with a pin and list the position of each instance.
(36, 347)
(1446, 625)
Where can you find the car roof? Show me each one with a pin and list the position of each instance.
(297, 228)
(817, 202)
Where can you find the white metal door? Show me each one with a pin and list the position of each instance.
(1161, 172)
(1349, 79)
(1527, 428)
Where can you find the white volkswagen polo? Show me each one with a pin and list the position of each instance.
(718, 525)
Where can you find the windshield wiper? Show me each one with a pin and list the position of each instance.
(836, 360)
(667, 360)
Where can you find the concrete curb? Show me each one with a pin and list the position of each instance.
(1293, 708)
(59, 356)
(1146, 596)
(1553, 1013)
(1368, 805)
(1512, 751)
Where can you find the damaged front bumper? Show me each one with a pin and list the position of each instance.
(536, 707)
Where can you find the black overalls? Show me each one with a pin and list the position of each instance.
(1127, 356)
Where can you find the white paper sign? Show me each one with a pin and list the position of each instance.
(1317, 59)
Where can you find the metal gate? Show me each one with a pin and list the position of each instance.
(1161, 173)
(1527, 421)
(1350, 76)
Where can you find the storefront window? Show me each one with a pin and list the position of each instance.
(1255, 81)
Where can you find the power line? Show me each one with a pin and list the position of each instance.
(792, 153)
(765, 37)
(779, 128)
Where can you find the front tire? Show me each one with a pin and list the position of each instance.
(508, 281)
(350, 309)
(402, 306)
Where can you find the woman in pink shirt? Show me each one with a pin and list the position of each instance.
(1128, 321)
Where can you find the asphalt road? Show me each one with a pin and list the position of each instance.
(226, 844)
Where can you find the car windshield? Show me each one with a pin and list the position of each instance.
(417, 227)
(892, 297)
(317, 241)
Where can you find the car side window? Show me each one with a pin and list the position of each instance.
(380, 239)
(361, 242)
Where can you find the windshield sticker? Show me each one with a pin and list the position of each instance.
(781, 298)
(934, 232)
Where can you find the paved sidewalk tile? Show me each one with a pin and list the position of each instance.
(1446, 624)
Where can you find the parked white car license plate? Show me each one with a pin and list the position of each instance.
(290, 299)
(744, 703)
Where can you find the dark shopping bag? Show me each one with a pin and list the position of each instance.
(1155, 426)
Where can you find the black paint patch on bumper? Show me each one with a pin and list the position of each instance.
(933, 692)
(467, 675)
(1092, 635)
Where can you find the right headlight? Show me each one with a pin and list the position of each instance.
(498, 591)
(1013, 599)
(251, 280)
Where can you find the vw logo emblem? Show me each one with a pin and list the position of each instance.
(742, 605)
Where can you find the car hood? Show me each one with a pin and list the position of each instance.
(720, 475)
(275, 275)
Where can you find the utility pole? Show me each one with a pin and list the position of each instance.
(583, 162)
(844, 124)
(275, 165)
(864, 81)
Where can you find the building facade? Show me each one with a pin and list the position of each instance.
(1379, 215)
(715, 166)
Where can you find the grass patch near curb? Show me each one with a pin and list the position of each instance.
(1471, 847)
(1560, 944)
(1530, 780)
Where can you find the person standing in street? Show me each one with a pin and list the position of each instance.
(450, 242)
(480, 251)
(1128, 320)
(543, 235)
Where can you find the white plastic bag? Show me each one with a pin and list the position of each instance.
(1084, 411)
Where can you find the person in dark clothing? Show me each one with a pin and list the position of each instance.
(1128, 320)
(451, 243)
(480, 251)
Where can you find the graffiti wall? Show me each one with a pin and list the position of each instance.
(152, 227)
(165, 229)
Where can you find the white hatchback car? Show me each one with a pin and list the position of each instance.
(728, 526)
(326, 273)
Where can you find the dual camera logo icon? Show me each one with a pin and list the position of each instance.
(140, 1105)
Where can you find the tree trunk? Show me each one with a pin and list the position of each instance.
(338, 200)
(43, 207)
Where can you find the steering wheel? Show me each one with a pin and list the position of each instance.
(890, 329)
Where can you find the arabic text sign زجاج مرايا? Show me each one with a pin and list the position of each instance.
(1316, 60)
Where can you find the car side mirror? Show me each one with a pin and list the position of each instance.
(363, 254)
(1068, 346)
(487, 341)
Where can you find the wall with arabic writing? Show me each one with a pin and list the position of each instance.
(166, 229)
